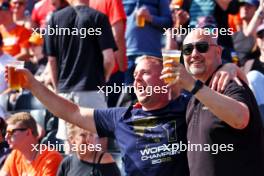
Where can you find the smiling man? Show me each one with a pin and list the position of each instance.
(227, 119)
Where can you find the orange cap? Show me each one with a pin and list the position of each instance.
(36, 39)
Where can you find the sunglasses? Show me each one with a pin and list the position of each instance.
(11, 132)
(260, 34)
(201, 47)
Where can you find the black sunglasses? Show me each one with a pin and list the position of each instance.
(11, 132)
(201, 47)
(260, 34)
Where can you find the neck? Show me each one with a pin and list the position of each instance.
(88, 156)
(79, 3)
(29, 152)
(155, 106)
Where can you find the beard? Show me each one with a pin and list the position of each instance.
(196, 71)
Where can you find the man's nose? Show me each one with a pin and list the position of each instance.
(194, 52)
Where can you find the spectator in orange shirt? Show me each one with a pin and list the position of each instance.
(27, 158)
(15, 37)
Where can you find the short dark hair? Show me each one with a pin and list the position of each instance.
(25, 120)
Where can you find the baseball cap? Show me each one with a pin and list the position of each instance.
(36, 39)
(251, 2)
(4, 6)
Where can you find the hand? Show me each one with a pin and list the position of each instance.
(144, 12)
(27, 78)
(180, 17)
(222, 77)
(181, 77)
(261, 6)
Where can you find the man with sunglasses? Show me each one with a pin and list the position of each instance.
(22, 136)
(229, 121)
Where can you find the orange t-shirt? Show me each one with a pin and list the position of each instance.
(115, 12)
(46, 164)
(15, 39)
(234, 21)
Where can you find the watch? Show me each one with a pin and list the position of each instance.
(197, 86)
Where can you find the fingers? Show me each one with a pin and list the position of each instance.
(224, 80)
(214, 81)
(238, 81)
(220, 81)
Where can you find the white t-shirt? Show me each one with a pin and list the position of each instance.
(4, 60)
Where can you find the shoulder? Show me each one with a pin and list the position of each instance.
(50, 156)
(107, 158)
(67, 160)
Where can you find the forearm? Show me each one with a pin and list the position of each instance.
(51, 68)
(119, 34)
(254, 22)
(234, 113)
(109, 62)
(24, 54)
(161, 22)
(63, 108)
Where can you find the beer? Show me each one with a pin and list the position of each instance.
(140, 21)
(170, 55)
(177, 4)
(14, 79)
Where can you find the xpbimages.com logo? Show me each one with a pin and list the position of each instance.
(82, 148)
(149, 90)
(164, 152)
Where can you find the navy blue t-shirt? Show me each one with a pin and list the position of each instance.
(146, 138)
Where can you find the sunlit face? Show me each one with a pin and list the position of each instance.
(146, 76)
(201, 64)
(82, 139)
(15, 135)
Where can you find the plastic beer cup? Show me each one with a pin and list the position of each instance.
(14, 79)
(170, 55)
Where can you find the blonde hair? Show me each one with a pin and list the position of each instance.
(25, 120)
(154, 59)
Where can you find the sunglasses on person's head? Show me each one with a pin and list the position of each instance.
(201, 47)
(11, 132)
(260, 34)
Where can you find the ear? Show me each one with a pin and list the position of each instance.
(219, 51)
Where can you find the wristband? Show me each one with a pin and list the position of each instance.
(197, 86)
